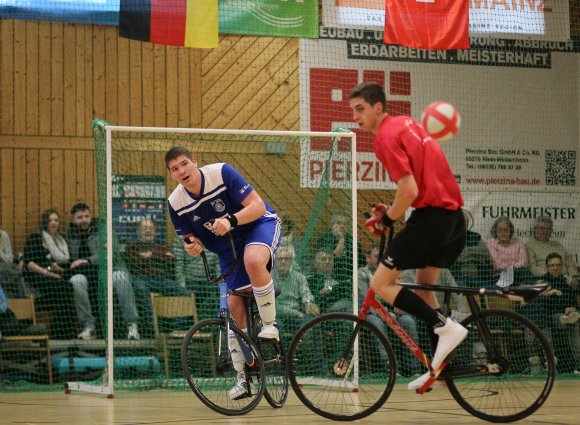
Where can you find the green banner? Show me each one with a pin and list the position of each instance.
(278, 18)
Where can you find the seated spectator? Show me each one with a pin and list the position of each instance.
(295, 304)
(151, 264)
(557, 309)
(83, 241)
(474, 267)
(47, 261)
(338, 240)
(508, 254)
(11, 277)
(329, 293)
(190, 274)
(540, 246)
(409, 364)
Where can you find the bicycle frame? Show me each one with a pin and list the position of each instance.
(224, 311)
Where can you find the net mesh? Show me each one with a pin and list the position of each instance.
(515, 156)
(155, 257)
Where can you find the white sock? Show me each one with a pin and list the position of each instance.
(236, 352)
(266, 301)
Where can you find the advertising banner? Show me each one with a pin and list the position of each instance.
(100, 12)
(523, 210)
(134, 199)
(503, 140)
(524, 19)
(279, 18)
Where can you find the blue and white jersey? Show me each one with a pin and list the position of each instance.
(222, 191)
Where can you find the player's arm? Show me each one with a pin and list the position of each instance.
(254, 208)
(407, 192)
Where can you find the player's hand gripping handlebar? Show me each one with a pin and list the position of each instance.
(233, 266)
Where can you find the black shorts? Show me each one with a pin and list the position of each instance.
(431, 237)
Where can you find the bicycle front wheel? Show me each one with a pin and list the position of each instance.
(331, 385)
(507, 377)
(276, 390)
(274, 358)
(210, 372)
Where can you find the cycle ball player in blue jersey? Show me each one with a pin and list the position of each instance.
(219, 192)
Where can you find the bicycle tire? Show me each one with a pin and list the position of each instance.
(274, 357)
(210, 374)
(334, 390)
(511, 387)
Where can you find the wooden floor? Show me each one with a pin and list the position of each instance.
(182, 407)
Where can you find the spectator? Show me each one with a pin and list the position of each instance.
(508, 254)
(410, 365)
(329, 293)
(339, 240)
(190, 274)
(83, 241)
(474, 267)
(295, 303)
(47, 261)
(290, 238)
(557, 308)
(540, 246)
(11, 277)
(151, 265)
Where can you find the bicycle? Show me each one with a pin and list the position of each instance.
(502, 372)
(210, 377)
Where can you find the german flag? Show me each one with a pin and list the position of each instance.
(189, 23)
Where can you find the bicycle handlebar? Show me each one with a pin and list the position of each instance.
(206, 265)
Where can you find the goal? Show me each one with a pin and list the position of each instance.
(307, 177)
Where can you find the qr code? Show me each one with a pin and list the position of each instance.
(560, 168)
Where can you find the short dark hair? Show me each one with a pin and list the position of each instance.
(45, 216)
(372, 93)
(175, 152)
(81, 206)
(553, 255)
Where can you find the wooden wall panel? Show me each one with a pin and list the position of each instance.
(57, 77)
(44, 79)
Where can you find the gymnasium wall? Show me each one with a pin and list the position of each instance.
(56, 78)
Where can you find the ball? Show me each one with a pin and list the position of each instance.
(441, 120)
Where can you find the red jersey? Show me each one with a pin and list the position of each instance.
(404, 147)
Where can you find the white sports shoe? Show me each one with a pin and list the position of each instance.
(87, 333)
(240, 390)
(450, 336)
(269, 332)
(420, 381)
(133, 332)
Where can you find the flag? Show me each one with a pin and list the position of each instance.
(427, 24)
(189, 23)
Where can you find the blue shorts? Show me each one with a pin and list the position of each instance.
(268, 233)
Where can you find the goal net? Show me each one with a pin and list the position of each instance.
(312, 193)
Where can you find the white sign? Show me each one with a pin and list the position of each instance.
(523, 210)
(519, 124)
(530, 19)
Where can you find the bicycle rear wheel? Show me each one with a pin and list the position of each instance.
(511, 383)
(208, 367)
(337, 388)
